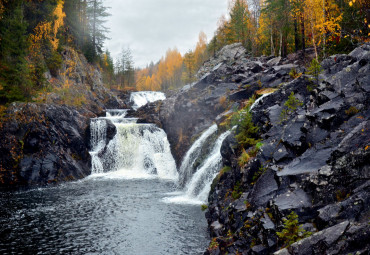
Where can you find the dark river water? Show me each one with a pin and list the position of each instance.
(100, 215)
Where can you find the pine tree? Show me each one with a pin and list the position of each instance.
(96, 15)
(14, 72)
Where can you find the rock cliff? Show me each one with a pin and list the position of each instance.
(47, 141)
(313, 162)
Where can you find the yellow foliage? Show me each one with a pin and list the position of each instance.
(47, 30)
(167, 75)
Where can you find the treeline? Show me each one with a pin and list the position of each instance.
(268, 27)
(33, 34)
(280, 27)
(173, 70)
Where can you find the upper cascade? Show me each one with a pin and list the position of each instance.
(143, 97)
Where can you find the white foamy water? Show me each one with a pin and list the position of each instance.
(136, 151)
(186, 168)
(258, 100)
(197, 189)
(143, 97)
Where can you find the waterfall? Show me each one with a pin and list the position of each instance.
(136, 151)
(186, 168)
(143, 97)
(258, 100)
(197, 189)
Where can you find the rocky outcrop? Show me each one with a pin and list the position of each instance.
(48, 141)
(80, 84)
(43, 144)
(314, 161)
(226, 81)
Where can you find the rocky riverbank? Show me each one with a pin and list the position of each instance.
(47, 141)
(311, 170)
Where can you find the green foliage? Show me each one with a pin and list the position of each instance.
(14, 71)
(237, 191)
(292, 231)
(246, 131)
(243, 158)
(294, 74)
(204, 207)
(290, 106)
(54, 62)
(214, 244)
(351, 111)
(259, 173)
(315, 69)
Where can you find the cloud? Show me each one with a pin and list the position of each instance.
(150, 27)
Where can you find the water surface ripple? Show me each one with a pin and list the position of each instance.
(100, 215)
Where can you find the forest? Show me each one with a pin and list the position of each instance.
(268, 27)
(34, 32)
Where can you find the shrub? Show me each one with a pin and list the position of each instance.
(314, 69)
(290, 106)
(257, 174)
(247, 131)
(244, 158)
(54, 63)
(292, 232)
(204, 207)
(294, 74)
(237, 192)
(351, 111)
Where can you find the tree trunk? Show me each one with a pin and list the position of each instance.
(272, 43)
(281, 43)
(303, 36)
(296, 40)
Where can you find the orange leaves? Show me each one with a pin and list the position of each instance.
(41, 32)
(48, 30)
(58, 23)
(166, 75)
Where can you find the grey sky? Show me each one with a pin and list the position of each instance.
(150, 27)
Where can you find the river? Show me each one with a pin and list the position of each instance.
(102, 214)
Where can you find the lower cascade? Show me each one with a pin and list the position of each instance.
(143, 151)
(197, 188)
(137, 150)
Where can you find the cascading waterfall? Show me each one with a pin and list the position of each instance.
(197, 189)
(137, 150)
(186, 168)
(143, 97)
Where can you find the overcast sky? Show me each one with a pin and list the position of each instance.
(150, 27)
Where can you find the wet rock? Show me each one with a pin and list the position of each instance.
(228, 149)
(50, 142)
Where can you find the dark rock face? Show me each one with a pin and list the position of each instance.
(230, 77)
(43, 144)
(314, 161)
